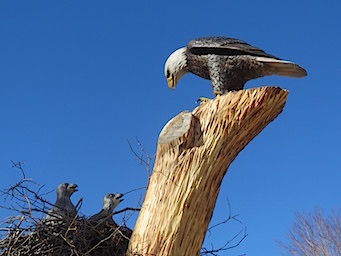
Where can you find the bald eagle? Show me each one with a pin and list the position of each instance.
(229, 63)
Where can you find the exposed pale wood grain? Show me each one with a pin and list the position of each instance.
(194, 151)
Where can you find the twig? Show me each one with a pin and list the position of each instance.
(146, 162)
(127, 209)
(133, 190)
(205, 251)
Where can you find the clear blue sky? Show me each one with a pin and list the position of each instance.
(80, 78)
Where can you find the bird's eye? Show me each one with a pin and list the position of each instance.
(168, 74)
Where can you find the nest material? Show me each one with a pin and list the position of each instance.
(74, 237)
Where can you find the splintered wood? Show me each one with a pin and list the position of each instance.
(194, 151)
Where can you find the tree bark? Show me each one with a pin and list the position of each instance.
(194, 151)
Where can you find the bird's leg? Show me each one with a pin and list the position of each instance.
(217, 72)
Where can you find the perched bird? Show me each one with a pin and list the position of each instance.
(110, 202)
(63, 206)
(229, 63)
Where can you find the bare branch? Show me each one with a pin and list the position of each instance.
(314, 234)
(127, 209)
(18, 165)
(226, 246)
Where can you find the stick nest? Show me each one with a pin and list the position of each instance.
(27, 231)
(65, 237)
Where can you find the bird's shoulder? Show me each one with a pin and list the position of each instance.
(214, 41)
(224, 46)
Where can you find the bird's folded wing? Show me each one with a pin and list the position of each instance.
(224, 46)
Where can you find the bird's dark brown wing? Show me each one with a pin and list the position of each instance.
(224, 46)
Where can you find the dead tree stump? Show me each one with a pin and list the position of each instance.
(194, 151)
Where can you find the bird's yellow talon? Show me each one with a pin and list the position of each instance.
(202, 100)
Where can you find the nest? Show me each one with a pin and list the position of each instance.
(74, 237)
(28, 232)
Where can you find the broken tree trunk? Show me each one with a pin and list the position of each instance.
(194, 151)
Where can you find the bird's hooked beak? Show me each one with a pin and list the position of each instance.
(119, 197)
(72, 188)
(172, 82)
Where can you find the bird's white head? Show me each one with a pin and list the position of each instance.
(176, 67)
(111, 201)
(66, 190)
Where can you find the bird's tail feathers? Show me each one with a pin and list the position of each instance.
(283, 67)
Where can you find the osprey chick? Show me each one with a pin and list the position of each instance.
(110, 202)
(229, 63)
(63, 206)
